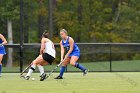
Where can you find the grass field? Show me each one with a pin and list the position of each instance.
(127, 65)
(116, 82)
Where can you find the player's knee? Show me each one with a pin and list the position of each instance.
(76, 65)
(64, 64)
(39, 65)
(35, 63)
(72, 63)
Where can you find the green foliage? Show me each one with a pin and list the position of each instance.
(86, 20)
(9, 9)
(136, 57)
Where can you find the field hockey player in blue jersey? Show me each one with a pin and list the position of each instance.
(2, 50)
(68, 45)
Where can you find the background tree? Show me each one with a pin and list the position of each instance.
(8, 12)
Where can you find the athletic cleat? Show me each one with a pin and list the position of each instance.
(43, 77)
(85, 72)
(0, 75)
(25, 77)
(59, 77)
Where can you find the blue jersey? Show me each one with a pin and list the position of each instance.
(75, 51)
(2, 49)
(1, 41)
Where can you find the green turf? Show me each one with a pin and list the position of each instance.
(130, 65)
(73, 83)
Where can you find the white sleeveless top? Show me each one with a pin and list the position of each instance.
(50, 49)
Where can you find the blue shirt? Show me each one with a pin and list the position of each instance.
(66, 45)
(2, 49)
(1, 41)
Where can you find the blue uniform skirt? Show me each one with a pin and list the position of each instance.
(2, 50)
(75, 53)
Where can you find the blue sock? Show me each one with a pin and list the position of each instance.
(80, 66)
(62, 70)
(0, 68)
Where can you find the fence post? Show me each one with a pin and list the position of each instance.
(21, 35)
(110, 54)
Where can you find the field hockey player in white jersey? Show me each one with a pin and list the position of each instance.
(46, 57)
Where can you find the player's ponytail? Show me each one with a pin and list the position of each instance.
(45, 34)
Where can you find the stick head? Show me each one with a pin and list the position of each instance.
(47, 76)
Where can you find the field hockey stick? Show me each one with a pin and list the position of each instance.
(26, 69)
(55, 68)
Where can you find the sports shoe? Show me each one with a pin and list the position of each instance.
(59, 77)
(43, 77)
(85, 72)
(25, 77)
(0, 75)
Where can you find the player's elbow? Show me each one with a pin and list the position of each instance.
(41, 51)
(5, 42)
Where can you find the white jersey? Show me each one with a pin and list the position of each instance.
(50, 49)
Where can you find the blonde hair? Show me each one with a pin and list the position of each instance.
(64, 30)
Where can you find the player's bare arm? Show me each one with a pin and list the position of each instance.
(62, 50)
(71, 42)
(3, 39)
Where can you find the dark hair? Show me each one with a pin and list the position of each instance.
(45, 34)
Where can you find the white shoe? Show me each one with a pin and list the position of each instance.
(25, 77)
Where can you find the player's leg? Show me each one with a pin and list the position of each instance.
(62, 68)
(1, 57)
(47, 59)
(41, 69)
(36, 62)
(73, 62)
(40, 66)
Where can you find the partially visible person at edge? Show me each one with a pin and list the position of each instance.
(3, 41)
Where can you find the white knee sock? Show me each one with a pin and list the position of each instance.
(41, 69)
(31, 70)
